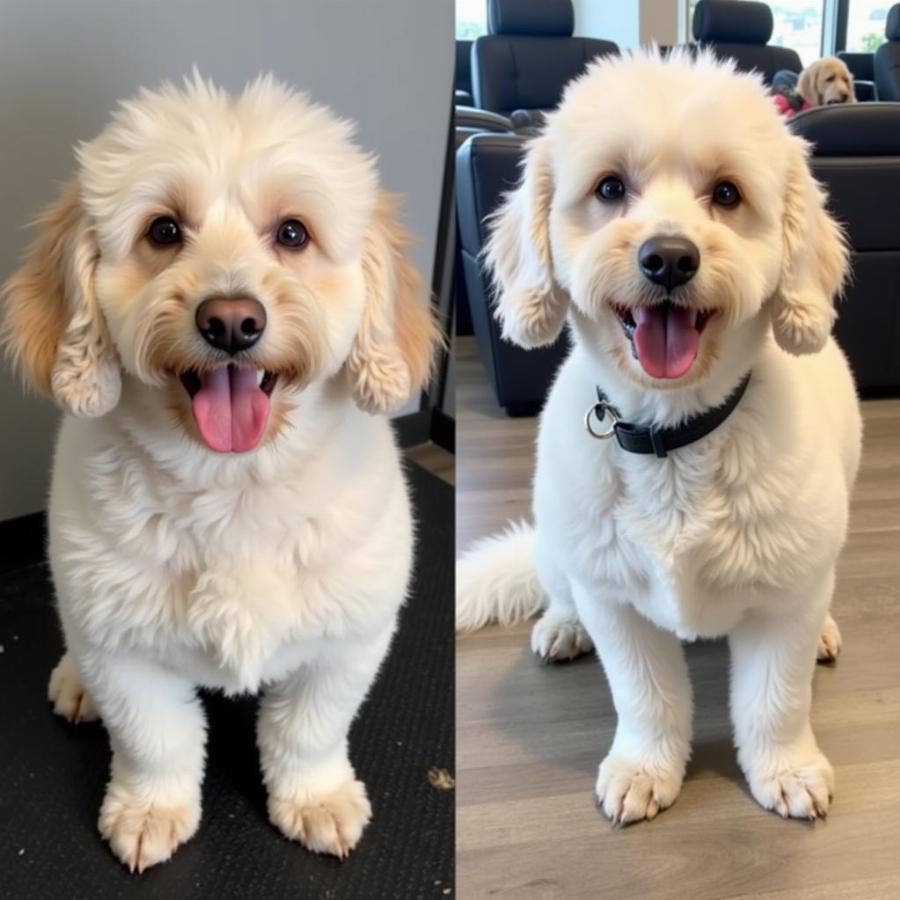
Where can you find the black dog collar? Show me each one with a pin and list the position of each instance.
(660, 441)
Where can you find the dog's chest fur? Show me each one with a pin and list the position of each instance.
(234, 584)
(693, 540)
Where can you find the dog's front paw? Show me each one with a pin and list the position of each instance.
(557, 637)
(331, 823)
(68, 695)
(798, 784)
(629, 790)
(143, 833)
(829, 641)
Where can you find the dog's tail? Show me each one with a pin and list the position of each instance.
(496, 580)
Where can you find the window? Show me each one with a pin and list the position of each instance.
(471, 19)
(865, 24)
(798, 25)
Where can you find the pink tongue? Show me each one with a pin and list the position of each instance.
(665, 339)
(230, 410)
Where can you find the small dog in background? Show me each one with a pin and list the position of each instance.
(825, 82)
(219, 301)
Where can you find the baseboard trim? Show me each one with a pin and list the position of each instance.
(22, 541)
(443, 431)
(413, 429)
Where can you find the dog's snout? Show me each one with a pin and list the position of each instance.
(231, 324)
(668, 260)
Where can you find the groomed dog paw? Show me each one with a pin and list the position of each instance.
(332, 823)
(829, 642)
(800, 790)
(68, 695)
(629, 790)
(555, 638)
(141, 833)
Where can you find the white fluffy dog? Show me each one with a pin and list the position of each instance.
(219, 301)
(667, 211)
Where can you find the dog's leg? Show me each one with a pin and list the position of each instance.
(829, 641)
(314, 795)
(157, 733)
(68, 694)
(773, 659)
(648, 677)
(559, 634)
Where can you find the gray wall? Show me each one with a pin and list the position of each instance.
(387, 64)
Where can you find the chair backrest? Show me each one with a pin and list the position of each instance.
(741, 30)
(487, 166)
(529, 55)
(861, 65)
(462, 77)
(856, 155)
(887, 58)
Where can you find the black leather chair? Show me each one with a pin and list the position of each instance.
(862, 68)
(529, 55)
(462, 75)
(857, 157)
(887, 58)
(741, 31)
(469, 121)
(487, 165)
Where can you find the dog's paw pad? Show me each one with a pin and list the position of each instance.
(554, 638)
(68, 695)
(629, 791)
(332, 823)
(142, 836)
(798, 792)
(829, 642)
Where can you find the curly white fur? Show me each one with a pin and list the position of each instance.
(736, 534)
(281, 569)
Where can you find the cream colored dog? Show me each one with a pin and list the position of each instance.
(219, 301)
(670, 215)
(825, 82)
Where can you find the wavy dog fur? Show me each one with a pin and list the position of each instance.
(281, 569)
(736, 534)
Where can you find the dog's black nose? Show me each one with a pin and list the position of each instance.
(669, 260)
(231, 324)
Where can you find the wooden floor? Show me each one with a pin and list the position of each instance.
(529, 737)
(433, 459)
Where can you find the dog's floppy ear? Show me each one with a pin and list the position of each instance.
(531, 307)
(806, 85)
(52, 327)
(814, 261)
(393, 352)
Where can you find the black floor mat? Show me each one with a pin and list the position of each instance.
(52, 774)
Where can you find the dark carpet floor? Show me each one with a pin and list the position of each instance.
(52, 774)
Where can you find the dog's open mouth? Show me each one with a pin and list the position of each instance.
(665, 338)
(231, 405)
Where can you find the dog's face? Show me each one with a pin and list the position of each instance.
(228, 252)
(669, 204)
(826, 81)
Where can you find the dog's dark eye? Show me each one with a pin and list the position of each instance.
(726, 194)
(830, 78)
(164, 231)
(611, 189)
(293, 234)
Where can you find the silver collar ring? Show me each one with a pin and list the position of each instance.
(601, 411)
